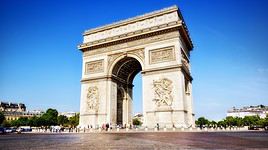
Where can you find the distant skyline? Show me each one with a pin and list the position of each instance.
(41, 66)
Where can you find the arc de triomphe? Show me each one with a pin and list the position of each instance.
(157, 44)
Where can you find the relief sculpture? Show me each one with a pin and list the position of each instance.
(161, 55)
(94, 66)
(93, 99)
(163, 92)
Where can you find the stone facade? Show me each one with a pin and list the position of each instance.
(13, 111)
(158, 45)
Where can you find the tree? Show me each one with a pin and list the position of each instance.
(201, 121)
(33, 121)
(230, 121)
(136, 121)
(62, 120)
(6, 123)
(213, 124)
(250, 120)
(74, 121)
(239, 121)
(50, 117)
(23, 121)
(221, 124)
(2, 117)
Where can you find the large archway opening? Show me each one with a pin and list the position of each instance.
(123, 74)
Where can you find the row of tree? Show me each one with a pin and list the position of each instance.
(233, 122)
(50, 118)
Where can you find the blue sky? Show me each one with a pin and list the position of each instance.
(41, 66)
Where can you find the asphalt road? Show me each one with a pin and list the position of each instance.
(154, 140)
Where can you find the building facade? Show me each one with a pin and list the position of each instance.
(13, 111)
(156, 44)
(260, 110)
(68, 114)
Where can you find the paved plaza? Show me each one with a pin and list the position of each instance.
(137, 140)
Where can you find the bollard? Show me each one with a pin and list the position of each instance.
(127, 129)
(165, 129)
(174, 129)
(190, 128)
(182, 129)
(146, 129)
(117, 129)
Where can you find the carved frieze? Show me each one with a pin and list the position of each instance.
(162, 55)
(93, 99)
(161, 37)
(132, 27)
(163, 92)
(94, 66)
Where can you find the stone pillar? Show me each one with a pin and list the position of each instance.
(125, 111)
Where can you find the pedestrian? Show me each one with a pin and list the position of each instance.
(157, 126)
(103, 126)
(107, 126)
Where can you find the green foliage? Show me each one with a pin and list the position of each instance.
(230, 121)
(234, 122)
(251, 120)
(213, 124)
(201, 121)
(50, 117)
(136, 121)
(222, 124)
(2, 117)
(62, 120)
(47, 119)
(74, 121)
(6, 123)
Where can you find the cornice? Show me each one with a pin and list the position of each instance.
(130, 35)
(181, 67)
(144, 72)
(132, 42)
(132, 20)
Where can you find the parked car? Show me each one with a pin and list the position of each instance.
(2, 130)
(24, 129)
(10, 130)
(255, 127)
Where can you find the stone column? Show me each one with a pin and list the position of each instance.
(125, 111)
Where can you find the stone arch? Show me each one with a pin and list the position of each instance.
(122, 74)
(158, 44)
(119, 57)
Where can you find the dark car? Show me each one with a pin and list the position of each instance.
(2, 130)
